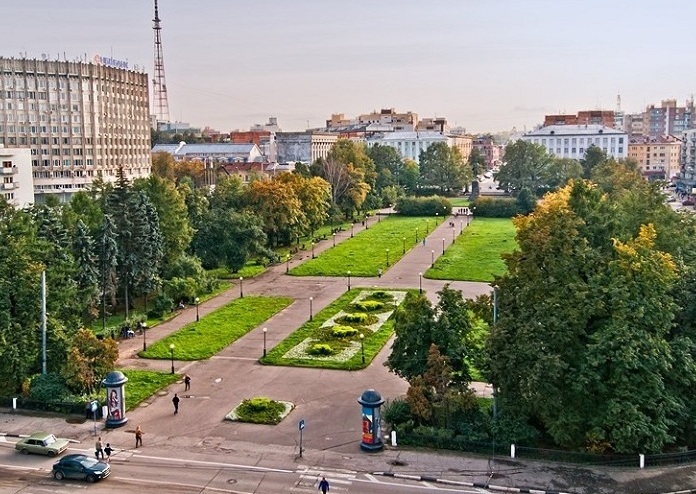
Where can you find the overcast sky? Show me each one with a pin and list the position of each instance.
(487, 65)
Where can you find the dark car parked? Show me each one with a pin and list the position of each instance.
(80, 467)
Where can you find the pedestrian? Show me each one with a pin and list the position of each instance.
(99, 449)
(108, 452)
(187, 382)
(324, 485)
(138, 436)
(175, 400)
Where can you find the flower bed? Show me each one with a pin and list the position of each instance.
(260, 410)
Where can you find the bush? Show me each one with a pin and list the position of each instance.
(381, 295)
(48, 387)
(343, 331)
(495, 208)
(368, 306)
(161, 305)
(357, 317)
(396, 412)
(321, 349)
(423, 206)
(260, 411)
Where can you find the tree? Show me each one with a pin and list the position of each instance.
(525, 165)
(87, 276)
(314, 194)
(594, 157)
(442, 167)
(561, 171)
(89, 360)
(279, 208)
(584, 346)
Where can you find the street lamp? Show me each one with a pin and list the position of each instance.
(264, 340)
(287, 264)
(334, 238)
(387, 257)
(197, 302)
(420, 283)
(171, 351)
(416, 234)
(312, 250)
(366, 225)
(443, 245)
(348, 280)
(311, 299)
(461, 227)
(432, 258)
(453, 234)
(241, 287)
(351, 229)
(362, 346)
(143, 327)
(403, 246)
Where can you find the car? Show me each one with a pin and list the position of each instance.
(42, 443)
(689, 202)
(80, 467)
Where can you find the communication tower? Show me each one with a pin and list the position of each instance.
(159, 87)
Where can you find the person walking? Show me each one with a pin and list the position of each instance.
(324, 485)
(108, 452)
(187, 382)
(99, 449)
(175, 400)
(138, 436)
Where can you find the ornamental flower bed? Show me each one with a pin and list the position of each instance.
(333, 339)
(260, 410)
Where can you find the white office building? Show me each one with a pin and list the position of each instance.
(572, 141)
(80, 120)
(15, 169)
(408, 144)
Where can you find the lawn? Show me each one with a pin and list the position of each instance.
(459, 202)
(476, 254)
(217, 330)
(143, 384)
(368, 250)
(346, 350)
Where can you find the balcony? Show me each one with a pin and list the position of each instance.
(9, 170)
(10, 186)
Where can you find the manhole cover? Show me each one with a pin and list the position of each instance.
(231, 481)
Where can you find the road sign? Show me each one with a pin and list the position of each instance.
(301, 424)
(94, 405)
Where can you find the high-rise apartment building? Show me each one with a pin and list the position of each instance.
(81, 120)
(658, 157)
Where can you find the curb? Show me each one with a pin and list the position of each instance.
(8, 434)
(481, 485)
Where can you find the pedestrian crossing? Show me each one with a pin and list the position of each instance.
(309, 478)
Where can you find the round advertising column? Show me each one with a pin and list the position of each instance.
(115, 399)
(371, 402)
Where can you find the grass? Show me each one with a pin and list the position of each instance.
(143, 384)
(476, 254)
(202, 340)
(459, 202)
(366, 252)
(373, 342)
(250, 269)
(260, 410)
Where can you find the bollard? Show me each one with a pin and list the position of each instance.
(105, 411)
(641, 461)
(393, 438)
(512, 451)
(14, 403)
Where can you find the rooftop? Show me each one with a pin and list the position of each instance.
(576, 130)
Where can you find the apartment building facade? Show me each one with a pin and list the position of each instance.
(659, 158)
(15, 170)
(304, 147)
(80, 120)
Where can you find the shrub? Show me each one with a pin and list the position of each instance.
(495, 208)
(357, 317)
(339, 331)
(161, 305)
(423, 206)
(260, 410)
(320, 349)
(381, 295)
(369, 306)
(396, 412)
(48, 387)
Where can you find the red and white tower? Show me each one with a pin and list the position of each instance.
(160, 105)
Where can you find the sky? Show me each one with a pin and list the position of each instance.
(486, 65)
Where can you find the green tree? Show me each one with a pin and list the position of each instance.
(87, 275)
(525, 165)
(594, 157)
(89, 360)
(442, 167)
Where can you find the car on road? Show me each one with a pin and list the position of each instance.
(42, 443)
(80, 467)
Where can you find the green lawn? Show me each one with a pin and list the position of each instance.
(372, 342)
(366, 252)
(476, 254)
(459, 202)
(202, 340)
(143, 384)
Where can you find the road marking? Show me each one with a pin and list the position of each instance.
(217, 464)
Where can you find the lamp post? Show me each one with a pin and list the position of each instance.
(362, 346)
(334, 238)
(313, 250)
(427, 226)
(241, 287)
(351, 229)
(403, 246)
(366, 225)
(453, 234)
(171, 351)
(461, 227)
(416, 234)
(432, 258)
(264, 330)
(311, 299)
(348, 280)
(443, 245)
(420, 283)
(198, 300)
(144, 330)
(387, 257)
(287, 264)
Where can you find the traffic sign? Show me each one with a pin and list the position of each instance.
(301, 424)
